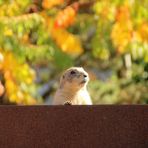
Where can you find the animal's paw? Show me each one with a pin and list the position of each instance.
(67, 103)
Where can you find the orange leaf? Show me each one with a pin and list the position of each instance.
(47, 4)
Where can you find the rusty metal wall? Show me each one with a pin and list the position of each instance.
(74, 126)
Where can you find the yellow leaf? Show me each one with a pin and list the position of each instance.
(8, 32)
(68, 42)
(143, 31)
(47, 4)
(122, 35)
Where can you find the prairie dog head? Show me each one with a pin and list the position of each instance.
(74, 78)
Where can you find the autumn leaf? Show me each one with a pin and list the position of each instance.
(65, 18)
(47, 4)
(68, 42)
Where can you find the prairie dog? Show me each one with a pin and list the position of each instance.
(2, 89)
(72, 89)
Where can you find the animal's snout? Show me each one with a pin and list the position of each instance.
(84, 75)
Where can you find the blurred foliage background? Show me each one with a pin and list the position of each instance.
(41, 38)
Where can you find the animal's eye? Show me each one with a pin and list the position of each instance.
(72, 72)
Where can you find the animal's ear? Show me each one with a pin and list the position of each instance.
(62, 81)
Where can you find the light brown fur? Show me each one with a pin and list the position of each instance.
(72, 88)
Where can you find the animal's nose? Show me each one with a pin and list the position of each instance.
(85, 76)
